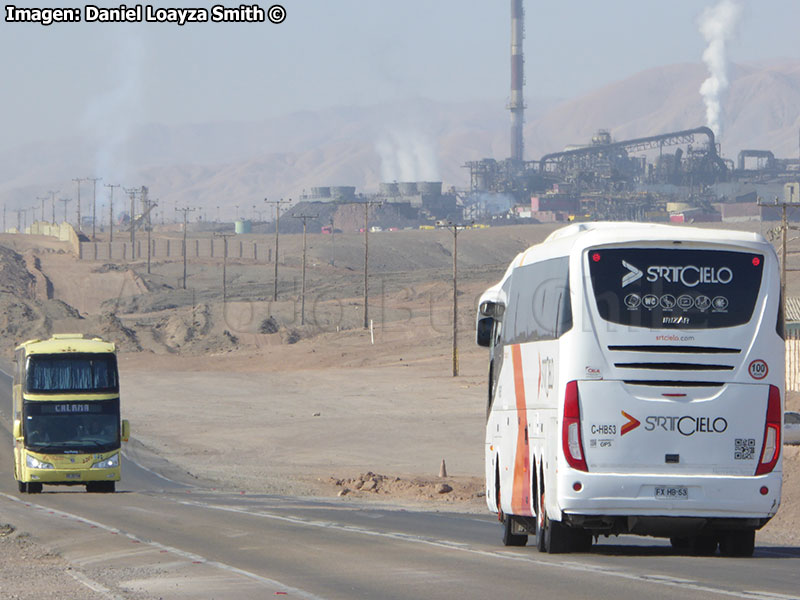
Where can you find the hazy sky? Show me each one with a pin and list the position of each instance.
(69, 79)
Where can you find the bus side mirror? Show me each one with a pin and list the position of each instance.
(17, 429)
(483, 333)
(126, 430)
(492, 309)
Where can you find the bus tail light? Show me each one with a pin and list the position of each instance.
(771, 450)
(571, 429)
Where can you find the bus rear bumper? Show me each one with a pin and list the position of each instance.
(703, 497)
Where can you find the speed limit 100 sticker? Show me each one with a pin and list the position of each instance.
(758, 369)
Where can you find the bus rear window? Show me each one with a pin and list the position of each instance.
(665, 288)
(55, 373)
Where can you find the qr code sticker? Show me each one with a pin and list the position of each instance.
(745, 449)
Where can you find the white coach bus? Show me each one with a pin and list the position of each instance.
(636, 386)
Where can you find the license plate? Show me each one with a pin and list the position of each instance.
(676, 492)
(73, 475)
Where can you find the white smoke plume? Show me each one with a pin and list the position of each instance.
(110, 117)
(408, 156)
(717, 25)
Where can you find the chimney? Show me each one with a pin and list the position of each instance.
(516, 103)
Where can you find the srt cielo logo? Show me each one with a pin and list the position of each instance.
(634, 274)
(689, 275)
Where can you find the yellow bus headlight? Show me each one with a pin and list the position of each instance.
(35, 463)
(108, 463)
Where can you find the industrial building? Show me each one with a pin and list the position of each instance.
(678, 176)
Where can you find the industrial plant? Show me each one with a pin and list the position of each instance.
(678, 176)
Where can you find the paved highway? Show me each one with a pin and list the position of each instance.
(169, 537)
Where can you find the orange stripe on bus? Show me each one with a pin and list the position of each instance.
(521, 491)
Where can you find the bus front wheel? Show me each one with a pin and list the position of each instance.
(22, 486)
(100, 487)
(509, 537)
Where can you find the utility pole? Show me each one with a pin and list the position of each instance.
(303, 288)
(111, 210)
(186, 212)
(333, 244)
(65, 201)
(4, 219)
(132, 194)
(455, 229)
(42, 198)
(224, 237)
(366, 205)
(277, 204)
(790, 202)
(148, 205)
(19, 220)
(78, 180)
(94, 181)
(53, 203)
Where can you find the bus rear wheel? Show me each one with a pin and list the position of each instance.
(703, 545)
(540, 525)
(741, 543)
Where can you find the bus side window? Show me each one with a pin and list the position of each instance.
(539, 305)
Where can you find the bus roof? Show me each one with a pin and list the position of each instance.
(578, 236)
(67, 342)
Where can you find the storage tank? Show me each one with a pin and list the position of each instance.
(243, 226)
(343, 192)
(408, 188)
(389, 188)
(430, 188)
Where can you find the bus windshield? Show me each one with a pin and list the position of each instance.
(77, 426)
(74, 372)
(667, 288)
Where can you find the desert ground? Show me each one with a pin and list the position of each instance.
(260, 395)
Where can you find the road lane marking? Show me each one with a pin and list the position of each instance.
(152, 472)
(194, 558)
(648, 578)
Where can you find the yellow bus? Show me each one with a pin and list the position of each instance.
(67, 428)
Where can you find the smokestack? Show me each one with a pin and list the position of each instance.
(517, 104)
